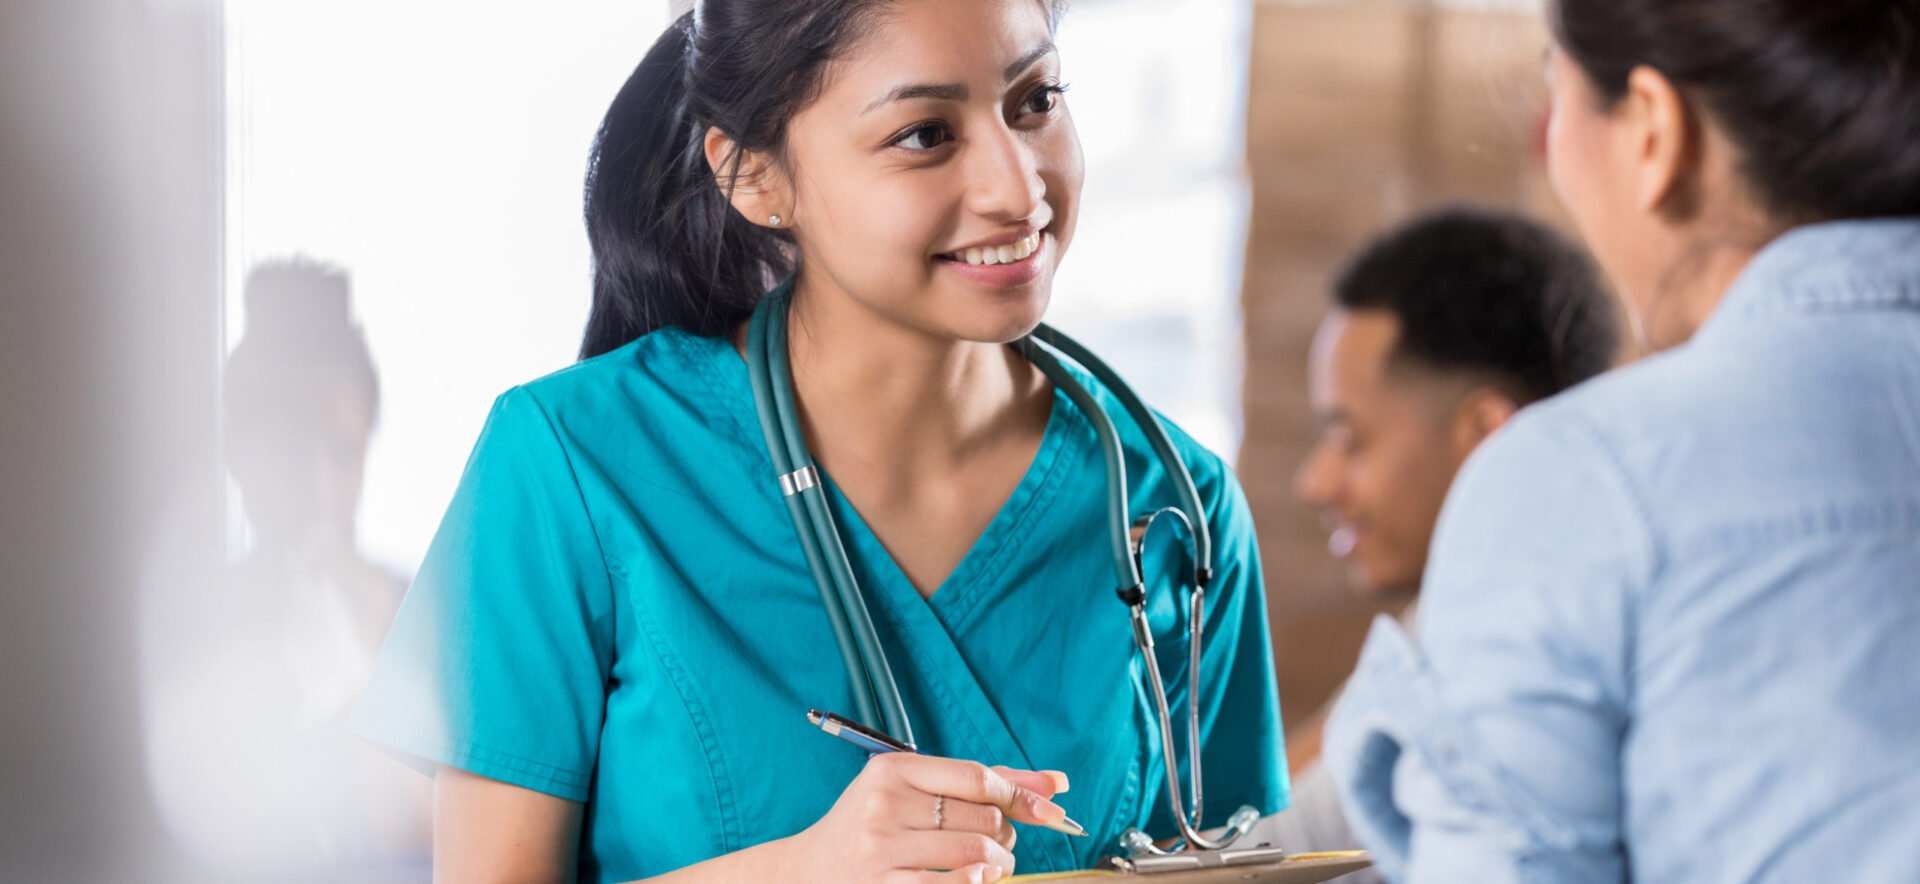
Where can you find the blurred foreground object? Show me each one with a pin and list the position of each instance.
(109, 345)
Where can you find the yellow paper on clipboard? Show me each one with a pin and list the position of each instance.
(1300, 868)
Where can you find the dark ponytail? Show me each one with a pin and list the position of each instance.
(668, 249)
(1820, 97)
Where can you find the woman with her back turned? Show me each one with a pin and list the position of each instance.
(1670, 627)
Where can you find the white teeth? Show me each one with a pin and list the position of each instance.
(1340, 543)
(1007, 254)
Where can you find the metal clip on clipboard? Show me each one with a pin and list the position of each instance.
(1192, 860)
(1144, 857)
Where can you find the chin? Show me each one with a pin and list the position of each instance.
(1003, 319)
(1383, 587)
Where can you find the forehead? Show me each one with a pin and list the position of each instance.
(913, 42)
(1350, 353)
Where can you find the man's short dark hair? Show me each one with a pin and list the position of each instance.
(1488, 294)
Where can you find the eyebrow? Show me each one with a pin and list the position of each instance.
(958, 91)
(1014, 70)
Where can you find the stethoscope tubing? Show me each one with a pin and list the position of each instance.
(778, 452)
(876, 694)
(1157, 437)
(1126, 571)
(1194, 518)
(886, 692)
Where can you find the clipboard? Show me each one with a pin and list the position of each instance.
(1300, 868)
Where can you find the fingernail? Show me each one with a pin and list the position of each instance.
(1047, 812)
(1059, 778)
(975, 873)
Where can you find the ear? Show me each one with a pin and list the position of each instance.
(1665, 142)
(1479, 414)
(754, 184)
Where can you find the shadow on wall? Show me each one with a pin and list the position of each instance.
(251, 673)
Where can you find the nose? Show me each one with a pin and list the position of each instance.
(1317, 482)
(1004, 181)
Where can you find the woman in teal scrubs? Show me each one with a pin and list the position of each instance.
(609, 652)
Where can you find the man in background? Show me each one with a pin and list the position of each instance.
(1440, 330)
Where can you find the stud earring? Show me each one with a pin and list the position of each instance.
(774, 220)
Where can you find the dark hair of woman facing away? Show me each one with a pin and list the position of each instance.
(668, 248)
(1821, 98)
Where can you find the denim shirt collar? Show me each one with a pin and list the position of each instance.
(1869, 264)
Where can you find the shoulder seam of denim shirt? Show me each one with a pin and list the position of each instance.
(1797, 271)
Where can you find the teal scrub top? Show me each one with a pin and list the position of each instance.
(615, 611)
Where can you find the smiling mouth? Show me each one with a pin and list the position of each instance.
(1019, 250)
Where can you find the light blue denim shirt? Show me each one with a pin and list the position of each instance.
(1670, 627)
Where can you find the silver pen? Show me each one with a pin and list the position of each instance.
(877, 743)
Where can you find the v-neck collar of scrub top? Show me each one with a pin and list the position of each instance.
(927, 626)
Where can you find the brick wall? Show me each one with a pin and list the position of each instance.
(1360, 114)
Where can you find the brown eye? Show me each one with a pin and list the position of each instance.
(1044, 99)
(925, 136)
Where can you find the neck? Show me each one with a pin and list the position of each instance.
(897, 403)
(1691, 292)
(1714, 249)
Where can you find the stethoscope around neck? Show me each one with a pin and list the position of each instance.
(876, 697)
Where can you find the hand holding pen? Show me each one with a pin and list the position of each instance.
(908, 814)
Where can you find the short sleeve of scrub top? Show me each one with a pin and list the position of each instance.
(498, 663)
(614, 611)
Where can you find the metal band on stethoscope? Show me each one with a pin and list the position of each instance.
(799, 480)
